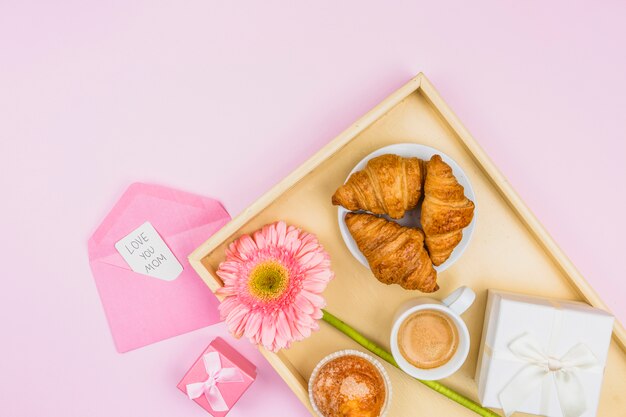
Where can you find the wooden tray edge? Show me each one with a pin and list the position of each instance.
(278, 361)
(520, 208)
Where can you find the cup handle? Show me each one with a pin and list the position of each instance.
(460, 299)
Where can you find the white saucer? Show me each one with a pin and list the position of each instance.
(412, 218)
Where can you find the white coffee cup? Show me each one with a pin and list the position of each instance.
(452, 306)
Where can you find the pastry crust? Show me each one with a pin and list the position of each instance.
(389, 184)
(445, 210)
(349, 386)
(396, 254)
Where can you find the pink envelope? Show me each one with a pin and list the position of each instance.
(141, 309)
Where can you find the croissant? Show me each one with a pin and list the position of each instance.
(396, 254)
(389, 184)
(445, 210)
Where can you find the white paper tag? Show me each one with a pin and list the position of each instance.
(146, 253)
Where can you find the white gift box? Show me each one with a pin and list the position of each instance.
(542, 356)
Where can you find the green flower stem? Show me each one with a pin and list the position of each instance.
(383, 354)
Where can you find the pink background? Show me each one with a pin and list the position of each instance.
(225, 99)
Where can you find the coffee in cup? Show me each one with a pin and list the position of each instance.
(428, 338)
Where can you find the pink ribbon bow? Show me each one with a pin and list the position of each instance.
(216, 373)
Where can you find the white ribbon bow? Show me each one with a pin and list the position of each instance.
(216, 374)
(569, 390)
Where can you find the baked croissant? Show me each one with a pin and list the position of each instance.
(389, 184)
(445, 210)
(396, 254)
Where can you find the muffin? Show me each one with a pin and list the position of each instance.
(349, 385)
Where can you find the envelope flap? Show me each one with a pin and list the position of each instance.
(170, 212)
(180, 244)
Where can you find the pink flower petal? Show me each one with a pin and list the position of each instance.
(314, 286)
(282, 326)
(316, 326)
(259, 238)
(247, 247)
(315, 299)
(253, 325)
(321, 274)
(239, 329)
(226, 291)
(306, 247)
(236, 314)
(227, 306)
(235, 327)
(281, 231)
(311, 259)
(303, 304)
(305, 330)
(279, 343)
(292, 242)
(227, 278)
(305, 319)
(271, 235)
(292, 318)
(309, 241)
(268, 331)
(318, 314)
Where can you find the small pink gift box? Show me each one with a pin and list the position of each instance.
(218, 378)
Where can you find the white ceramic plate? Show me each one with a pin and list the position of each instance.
(412, 217)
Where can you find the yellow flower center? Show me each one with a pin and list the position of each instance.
(268, 280)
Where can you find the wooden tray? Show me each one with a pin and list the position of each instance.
(509, 250)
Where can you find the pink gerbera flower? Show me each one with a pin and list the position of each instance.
(272, 284)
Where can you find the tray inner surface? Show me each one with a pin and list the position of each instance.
(503, 254)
